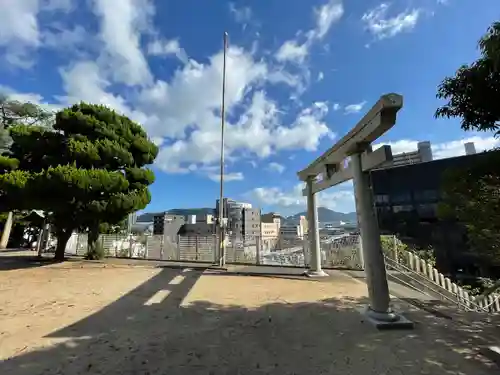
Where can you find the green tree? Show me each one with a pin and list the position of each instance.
(471, 196)
(89, 170)
(118, 228)
(473, 93)
(13, 112)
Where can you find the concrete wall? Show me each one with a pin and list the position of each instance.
(172, 225)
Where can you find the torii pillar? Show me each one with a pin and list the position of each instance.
(313, 233)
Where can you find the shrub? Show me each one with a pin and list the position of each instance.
(96, 252)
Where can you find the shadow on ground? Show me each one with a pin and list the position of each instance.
(281, 275)
(326, 337)
(15, 262)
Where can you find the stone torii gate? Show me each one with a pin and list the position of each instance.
(357, 145)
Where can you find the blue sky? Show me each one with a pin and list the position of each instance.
(300, 75)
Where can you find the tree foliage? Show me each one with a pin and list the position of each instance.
(90, 169)
(118, 228)
(397, 250)
(14, 112)
(472, 196)
(473, 94)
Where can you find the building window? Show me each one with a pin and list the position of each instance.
(426, 195)
(427, 210)
(401, 197)
(381, 198)
(383, 210)
(402, 208)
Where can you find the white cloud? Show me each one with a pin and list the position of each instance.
(258, 131)
(241, 15)
(321, 76)
(62, 38)
(340, 198)
(274, 196)
(354, 108)
(122, 24)
(181, 114)
(185, 111)
(20, 30)
(167, 47)
(22, 97)
(306, 131)
(62, 5)
(382, 26)
(444, 149)
(276, 167)
(325, 16)
(397, 147)
(193, 96)
(18, 22)
(291, 50)
(336, 106)
(27, 97)
(83, 82)
(228, 177)
(456, 148)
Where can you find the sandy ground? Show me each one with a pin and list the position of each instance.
(80, 318)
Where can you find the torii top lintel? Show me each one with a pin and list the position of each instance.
(378, 120)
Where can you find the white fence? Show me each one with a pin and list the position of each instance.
(341, 252)
(487, 303)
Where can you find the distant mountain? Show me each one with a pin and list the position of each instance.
(268, 218)
(148, 216)
(325, 215)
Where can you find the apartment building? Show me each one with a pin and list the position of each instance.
(294, 231)
(270, 231)
(242, 219)
(251, 224)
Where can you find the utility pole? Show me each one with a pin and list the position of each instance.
(222, 247)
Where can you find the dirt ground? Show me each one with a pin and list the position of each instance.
(37, 301)
(80, 318)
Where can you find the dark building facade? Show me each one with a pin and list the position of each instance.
(406, 199)
(167, 225)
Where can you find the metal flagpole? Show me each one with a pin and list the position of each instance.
(222, 247)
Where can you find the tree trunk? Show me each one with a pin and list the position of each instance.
(94, 251)
(4, 241)
(62, 239)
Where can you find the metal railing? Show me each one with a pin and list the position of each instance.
(342, 252)
(413, 280)
(418, 270)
